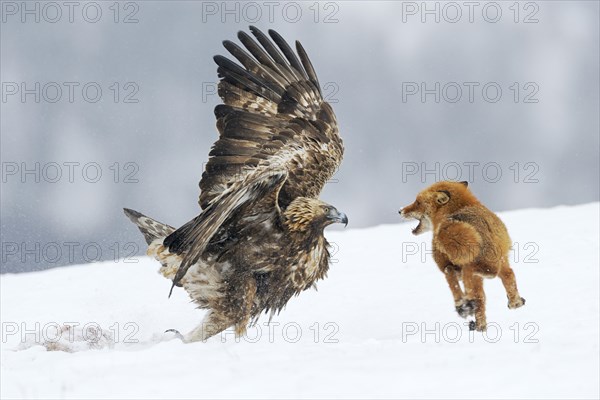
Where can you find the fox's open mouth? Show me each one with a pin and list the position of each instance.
(418, 228)
(424, 221)
(423, 226)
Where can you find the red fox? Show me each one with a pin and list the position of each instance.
(470, 243)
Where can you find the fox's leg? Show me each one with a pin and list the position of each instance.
(451, 272)
(463, 306)
(480, 318)
(475, 297)
(510, 284)
(461, 244)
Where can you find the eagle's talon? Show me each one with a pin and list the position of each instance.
(178, 334)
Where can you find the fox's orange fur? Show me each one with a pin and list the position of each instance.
(469, 243)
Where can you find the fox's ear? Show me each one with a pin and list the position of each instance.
(442, 197)
(464, 183)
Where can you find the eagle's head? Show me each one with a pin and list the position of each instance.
(305, 214)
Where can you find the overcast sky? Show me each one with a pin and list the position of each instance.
(105, 107)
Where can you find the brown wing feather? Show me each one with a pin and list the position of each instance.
(191, 239)
(272, 103)
(278, 140)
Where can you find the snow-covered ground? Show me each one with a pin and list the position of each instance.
(382, 325)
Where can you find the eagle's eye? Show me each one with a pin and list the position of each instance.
(326, 210)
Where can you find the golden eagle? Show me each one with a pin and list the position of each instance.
(259, 239)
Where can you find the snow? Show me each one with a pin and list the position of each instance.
(370, 315)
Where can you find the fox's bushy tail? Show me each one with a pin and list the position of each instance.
(150, 228)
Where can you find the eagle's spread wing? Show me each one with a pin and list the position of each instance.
(278, 139)
(273, 116)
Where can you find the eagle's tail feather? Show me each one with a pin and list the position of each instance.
(150, 228)
(155, 232)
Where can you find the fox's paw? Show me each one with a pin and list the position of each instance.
(464, 308)
(475, 326)
(520, 302)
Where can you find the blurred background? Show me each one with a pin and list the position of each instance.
(108, 105)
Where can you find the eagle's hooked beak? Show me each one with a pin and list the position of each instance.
(336, 216)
